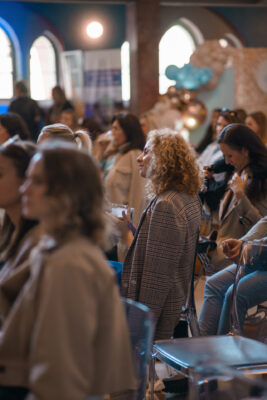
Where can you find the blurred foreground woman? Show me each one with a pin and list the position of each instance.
(17, 234)
(66, 337)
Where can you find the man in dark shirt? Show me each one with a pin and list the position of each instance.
(27, 108)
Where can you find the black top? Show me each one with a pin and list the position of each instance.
(29, 110)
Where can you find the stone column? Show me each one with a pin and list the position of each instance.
(143, 36)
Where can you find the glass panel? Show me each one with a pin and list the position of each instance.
(175, 47)
(42, 68)
(6, 66)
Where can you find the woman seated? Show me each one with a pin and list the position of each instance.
(245, 200)
(158, 266)
(123, 183)
(71, 324)
(256, 121)
(69, 118)
(63, 132)
(210, 134)
(213, 153)
(17, 234)
(11, 124)
(251, 289)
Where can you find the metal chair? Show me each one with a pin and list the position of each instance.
(141, 330)
(216, 381)
(185, 355)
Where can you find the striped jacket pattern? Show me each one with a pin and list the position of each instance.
(157, 267)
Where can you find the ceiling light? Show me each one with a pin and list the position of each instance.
(94, 30)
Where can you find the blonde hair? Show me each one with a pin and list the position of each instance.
(173, 165)
(60, 131)
(83, 140)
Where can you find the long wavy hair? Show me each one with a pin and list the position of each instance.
(239, 136)
(74, 191)
(173, 165)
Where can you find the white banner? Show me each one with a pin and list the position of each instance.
(102, 76)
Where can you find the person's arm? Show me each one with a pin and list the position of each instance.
(258, 231)
(249, 212)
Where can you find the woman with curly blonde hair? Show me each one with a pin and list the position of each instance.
(157, 267)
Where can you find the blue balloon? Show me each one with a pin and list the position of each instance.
(179, 85)
(181, 74)
(189, 76)
(171, 72)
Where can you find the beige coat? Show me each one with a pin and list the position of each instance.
(65, 337)
(236, 219)
(124, 185)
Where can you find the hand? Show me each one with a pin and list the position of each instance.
(238, 185)
(207, 174)
(103, 141)
(231, 248)
(119, 224)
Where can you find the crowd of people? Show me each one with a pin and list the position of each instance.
(64, 333)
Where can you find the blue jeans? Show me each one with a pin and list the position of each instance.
(215, 314)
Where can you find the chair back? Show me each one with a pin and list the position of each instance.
(189, 310)
(141, 329)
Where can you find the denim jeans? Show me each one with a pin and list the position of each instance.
(215, 314)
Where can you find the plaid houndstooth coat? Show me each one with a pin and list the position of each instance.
(157, 267)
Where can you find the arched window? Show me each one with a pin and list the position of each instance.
(125, 72)
(43, 71)
(175, 47)
(6, 66)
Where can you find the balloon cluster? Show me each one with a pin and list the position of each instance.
(189, 77)
(212, 55)
(195, 114)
